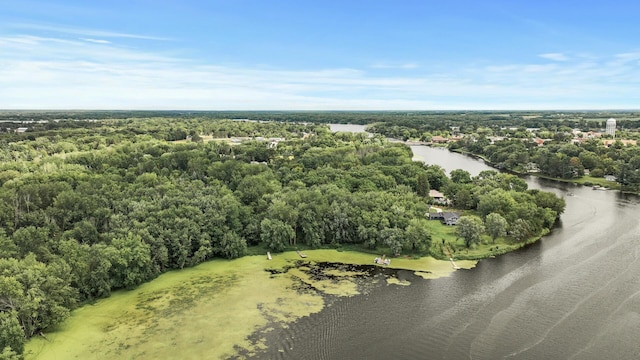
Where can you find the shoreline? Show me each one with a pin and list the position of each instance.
(606, 184)
(244, 298)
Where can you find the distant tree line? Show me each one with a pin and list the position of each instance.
(420, 120)
(561, 159)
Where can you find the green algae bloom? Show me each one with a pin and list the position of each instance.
(211, 311)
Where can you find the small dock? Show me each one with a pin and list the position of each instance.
(382, 261)
(453, 264)
(268, 255)
(301, 254)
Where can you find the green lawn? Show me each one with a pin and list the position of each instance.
(444, 236)
(590, 181)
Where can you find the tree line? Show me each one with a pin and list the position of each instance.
(563, 160)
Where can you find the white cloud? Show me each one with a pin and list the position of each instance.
(83, 32)
(97, 41)
(53, 73)
(407, 66)
(554, 56)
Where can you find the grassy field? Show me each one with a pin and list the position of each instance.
(211, 310)
(445, 243)
(590, 181)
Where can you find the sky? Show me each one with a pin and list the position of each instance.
(320, 55)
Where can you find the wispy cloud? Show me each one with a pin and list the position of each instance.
(84, 32)
(29, 47)
(406, 66)
(96, 41)
(626, 59)
(85, 73)
(555, 56)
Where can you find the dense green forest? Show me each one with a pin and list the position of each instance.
(88, 207)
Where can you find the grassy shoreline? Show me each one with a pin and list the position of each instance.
(446, 243)
(212, 309)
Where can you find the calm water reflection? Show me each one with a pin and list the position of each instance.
(573, 295)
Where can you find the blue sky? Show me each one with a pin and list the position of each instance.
(319, 55)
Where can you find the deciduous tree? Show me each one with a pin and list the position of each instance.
(496, 226)
(417, 235)
(276, 234)
(470, 228)
(11, 334)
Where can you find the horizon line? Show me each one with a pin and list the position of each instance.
(323, 110)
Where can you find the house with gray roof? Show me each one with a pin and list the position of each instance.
(447, 217)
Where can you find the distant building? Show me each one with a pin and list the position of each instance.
(436, 195)
(21, 129)
(447, 218)
(439, 140)
(538, 141)
(611, 127)
(450, 218)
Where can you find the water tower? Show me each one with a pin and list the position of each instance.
(611, 127)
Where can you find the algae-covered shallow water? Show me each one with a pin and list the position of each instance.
(220, 309)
